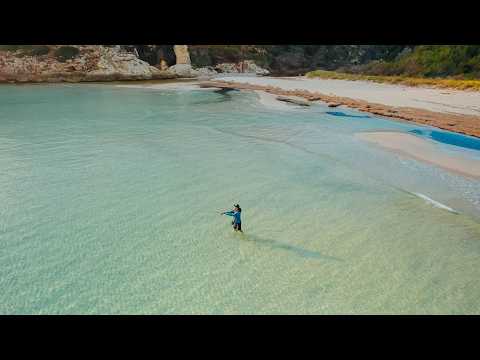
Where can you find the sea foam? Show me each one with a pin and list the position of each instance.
(435, 203)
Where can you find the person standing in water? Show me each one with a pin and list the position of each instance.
(235, 213)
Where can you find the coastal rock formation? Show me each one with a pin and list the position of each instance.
(250, 67)
(161, 56)
(227, 68)
(294, 100)
(182, 70)
(122, 64)
(247, 66)
(182, 54)
(52, 63)
(163, 64)
(187, 71)
(91, 63)
(206, 72)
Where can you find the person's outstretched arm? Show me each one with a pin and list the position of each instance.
(229, 213)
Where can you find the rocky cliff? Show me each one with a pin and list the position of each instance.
(74, 63)
(143, 62)
(54, 63)
(182, 55)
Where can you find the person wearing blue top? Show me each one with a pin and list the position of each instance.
(235, 213)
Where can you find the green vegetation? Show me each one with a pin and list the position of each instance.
(459, 84)
(27, 50)
(457, 61)
(443, 66)
(39, 50)
(10, 47)
(420, 61)
(209, 55)
(64, 53)
(293, 59)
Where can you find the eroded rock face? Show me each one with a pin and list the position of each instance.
(230, 68)
(163, 64)
(251, 67)
(247, 66)
(124, 64)
(206, 71)
(182, 54)
(187, 71)
(182, 70)
(155, 55)
(94, 63)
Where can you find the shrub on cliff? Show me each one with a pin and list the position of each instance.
(448, 60)
(39, 50)
(27, 50)
(459, 61)
(65, 53)
(9, 47)
(209, 55)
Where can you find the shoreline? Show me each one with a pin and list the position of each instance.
(462, 123)
(65, 78)
(422, 150)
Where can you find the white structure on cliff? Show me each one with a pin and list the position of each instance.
(182, 55)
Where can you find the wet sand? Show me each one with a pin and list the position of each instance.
(423, 150)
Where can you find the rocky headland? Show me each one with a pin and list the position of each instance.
(88, 63)
(77, 63)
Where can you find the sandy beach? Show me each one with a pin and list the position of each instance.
(420, 149)
(437, 100)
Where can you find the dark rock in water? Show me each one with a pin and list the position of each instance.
(225, 90)
(293, 101)
(332, 105)
(342, 114)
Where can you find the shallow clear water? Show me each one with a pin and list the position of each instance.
(110, 200)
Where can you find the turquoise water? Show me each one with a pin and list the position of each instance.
(110, 200)
(447, 137)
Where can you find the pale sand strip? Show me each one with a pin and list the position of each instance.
(176, 86)
(423, 150)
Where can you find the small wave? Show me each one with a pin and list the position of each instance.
(435, 203)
